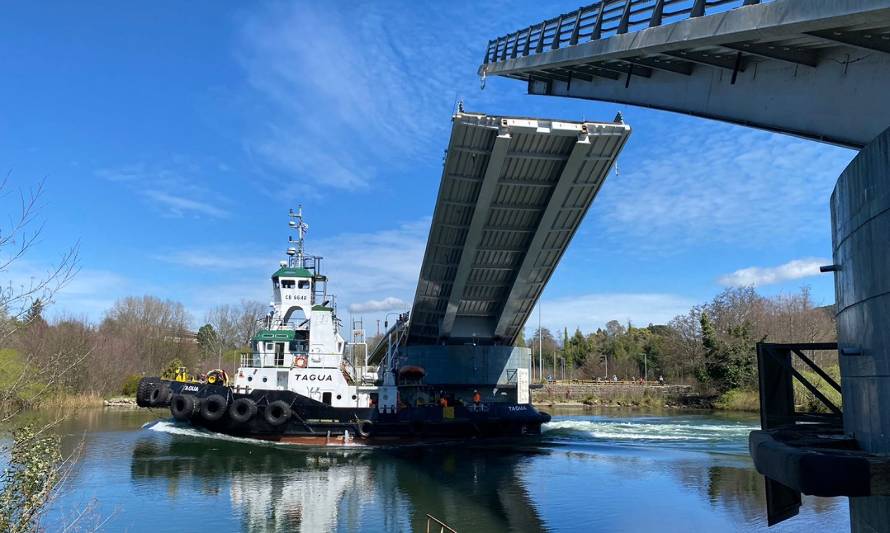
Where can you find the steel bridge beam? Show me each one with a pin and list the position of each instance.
(483, 206)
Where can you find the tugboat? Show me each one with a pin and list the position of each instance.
(299, 385)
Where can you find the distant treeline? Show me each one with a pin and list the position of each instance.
(138, 336)
(713, 345)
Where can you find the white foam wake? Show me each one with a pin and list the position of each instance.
(646, 431)
(171, 427)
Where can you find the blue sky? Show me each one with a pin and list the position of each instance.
(173, 137)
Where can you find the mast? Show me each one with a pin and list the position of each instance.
(295, 253)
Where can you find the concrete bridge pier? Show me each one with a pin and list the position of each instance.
(860, 217)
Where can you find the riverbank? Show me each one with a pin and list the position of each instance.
(606, 394)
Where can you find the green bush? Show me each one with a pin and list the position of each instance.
(29, 479)
(130, 384)
(739, 400)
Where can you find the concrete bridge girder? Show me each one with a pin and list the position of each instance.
(815, 69)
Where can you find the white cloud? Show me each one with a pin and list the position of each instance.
(592, 311)
(178, 205)
(374, 265)
(758, 276)
(389, 303)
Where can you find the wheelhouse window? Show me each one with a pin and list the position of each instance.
(303, 284)
(287, 284)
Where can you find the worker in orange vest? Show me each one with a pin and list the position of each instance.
(477, 398)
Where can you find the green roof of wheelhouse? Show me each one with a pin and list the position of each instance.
(292, 273)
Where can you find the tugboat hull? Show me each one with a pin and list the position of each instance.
(285, 416)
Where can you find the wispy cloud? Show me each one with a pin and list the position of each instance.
(375, 265)
(366, 78)
(592, 311)
(693, 184)
(759, 276)
(183, 205)
(370, 272)
(387, 304)
(173, 187)
(220, 258)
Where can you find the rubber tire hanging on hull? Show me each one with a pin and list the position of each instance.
(159, 395)
(183, 406)
(142, 392)
(277, 413)
(213, 407)
(242, 410)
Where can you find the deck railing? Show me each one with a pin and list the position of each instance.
(600, 20)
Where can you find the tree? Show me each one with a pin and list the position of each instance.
(33, 462)
(730, 363)
(207, 338)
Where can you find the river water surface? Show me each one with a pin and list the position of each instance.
(592, 471)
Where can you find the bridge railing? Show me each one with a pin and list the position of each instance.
(600, 20)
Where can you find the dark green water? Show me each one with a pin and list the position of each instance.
(608, 471)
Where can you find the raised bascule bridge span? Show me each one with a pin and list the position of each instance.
(512, 195)
(817, 69)
(513, 192)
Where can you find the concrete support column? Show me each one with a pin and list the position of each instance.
(860, 217)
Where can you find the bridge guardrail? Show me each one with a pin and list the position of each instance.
(600, 20)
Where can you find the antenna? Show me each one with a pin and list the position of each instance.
(295, 253)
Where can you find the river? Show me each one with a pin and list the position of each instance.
(592, 471)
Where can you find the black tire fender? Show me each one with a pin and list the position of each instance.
(160, 395)
(242, 410)
(183, 406)
(214, 407)
(364, 428)
(277, 413)
(143, 390)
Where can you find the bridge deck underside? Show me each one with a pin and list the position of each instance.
(512, 194)
(815, 69)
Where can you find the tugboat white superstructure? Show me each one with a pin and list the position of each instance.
(299, 346)
(297, 384)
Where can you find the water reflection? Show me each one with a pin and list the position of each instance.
(276, 488)
(591, 473)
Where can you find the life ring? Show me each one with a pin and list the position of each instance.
(242, 410)
(213, 407)
(363, 428)
(300, 361)
(277, 413)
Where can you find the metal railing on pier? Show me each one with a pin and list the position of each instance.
(776, 376)
(600, 20)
